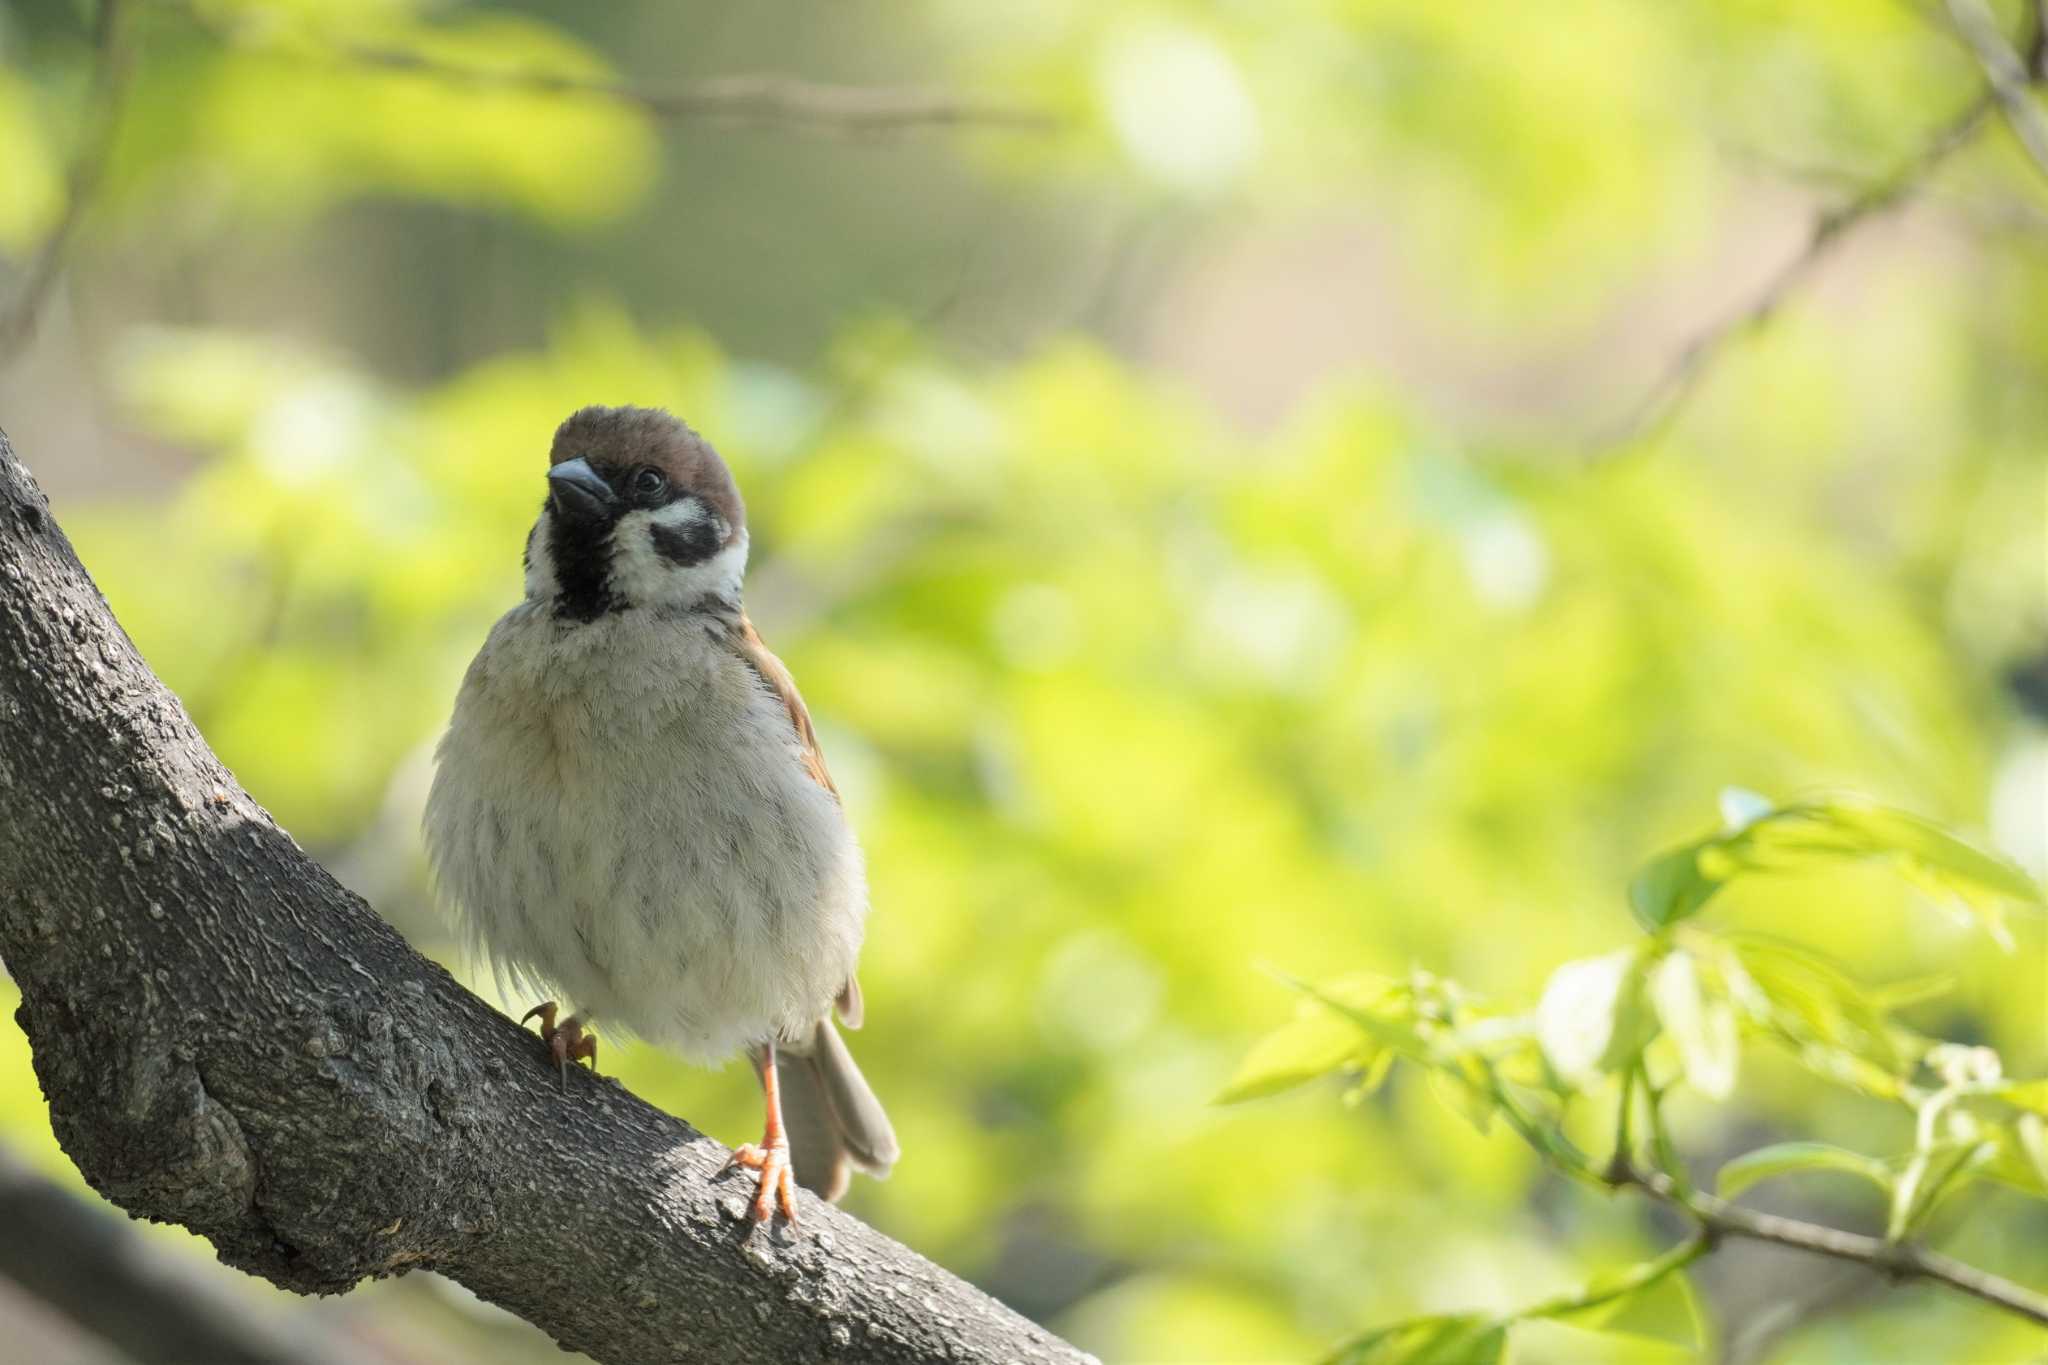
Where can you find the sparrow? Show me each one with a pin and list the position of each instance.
(630, 809)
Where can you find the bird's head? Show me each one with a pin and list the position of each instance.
(641, 512)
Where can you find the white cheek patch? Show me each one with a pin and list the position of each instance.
(643, 576)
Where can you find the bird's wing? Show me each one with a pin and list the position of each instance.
(757, 656)
(770, 670)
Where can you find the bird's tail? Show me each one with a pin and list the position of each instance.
(833, 1119)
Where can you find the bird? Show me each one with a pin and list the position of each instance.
(630, 808)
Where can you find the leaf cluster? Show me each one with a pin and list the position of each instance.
(1675, 1010)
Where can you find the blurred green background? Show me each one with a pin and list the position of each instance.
(1210, 529)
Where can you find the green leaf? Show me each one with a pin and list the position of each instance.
(1703, 1028)
(1806, 838)
(1741, 808)
(2025, 1094)
(1592, 1017)
(2020, 1158)
(1461, 1339)
(1314, 1044)
(1787, 1158)
(1914, 990)
(1325, 1036)
(1931, 1177)
(1808, 999)
(1665, 1311)
(1468, 1094)
(1385, 1015)
(1670, 888)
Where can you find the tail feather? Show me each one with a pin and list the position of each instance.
(833, 1119)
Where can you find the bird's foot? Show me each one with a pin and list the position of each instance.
(777, 1186)
(567, 1041)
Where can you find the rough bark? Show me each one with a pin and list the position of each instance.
(231, 1041)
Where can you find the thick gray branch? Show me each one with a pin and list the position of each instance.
(230, 1041)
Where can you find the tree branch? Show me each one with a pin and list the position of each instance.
(1899, 1260)
(106, 95)
(230, 1041)
(776, 101)
(759, 100)
(2008, 73)
(1669, 394)
(156, 1307)
(1718, 1218)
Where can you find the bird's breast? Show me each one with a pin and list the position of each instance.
(626, 813)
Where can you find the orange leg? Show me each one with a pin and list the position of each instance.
(566, 1041)
(777, 1186)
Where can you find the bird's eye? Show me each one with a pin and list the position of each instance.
(649, 482)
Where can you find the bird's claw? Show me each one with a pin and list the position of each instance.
(566, 1041)
(777, 1186)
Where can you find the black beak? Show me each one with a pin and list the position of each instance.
(578, 492)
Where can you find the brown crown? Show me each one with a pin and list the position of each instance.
(617, 441)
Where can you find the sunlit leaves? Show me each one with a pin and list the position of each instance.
(1702, 1025)
(1696, 988)
(1456, 1340)
(1793, 1158)
(1810, 837)
(1650, 1302)
(293, 111)
(2020, 1155)
(1810, 1003)
(1931, 1176)
(2030, 1095)
(1317, 1041)
(1592, 1016)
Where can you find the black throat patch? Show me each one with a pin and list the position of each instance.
(582, 555)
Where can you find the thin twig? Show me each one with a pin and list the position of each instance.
(1718, 1218)
(2009, 73)
(1900, 1260)
(1682, 376)
(106, 95)
(779, 101)
(753, 99)
(1756, 1336)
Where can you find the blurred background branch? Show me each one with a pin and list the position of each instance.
(1693, 362)
(774, 101)
(2011, 76)
(1171, 508)
(154, 1304)
(104, 100)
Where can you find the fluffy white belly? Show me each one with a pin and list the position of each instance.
(622, 816)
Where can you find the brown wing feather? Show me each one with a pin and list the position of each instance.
(769, 669)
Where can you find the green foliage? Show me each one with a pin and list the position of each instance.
(1792, 1158)
(1430, 1341)
(1689, 985)
(1805, 837)
(1184, 529)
